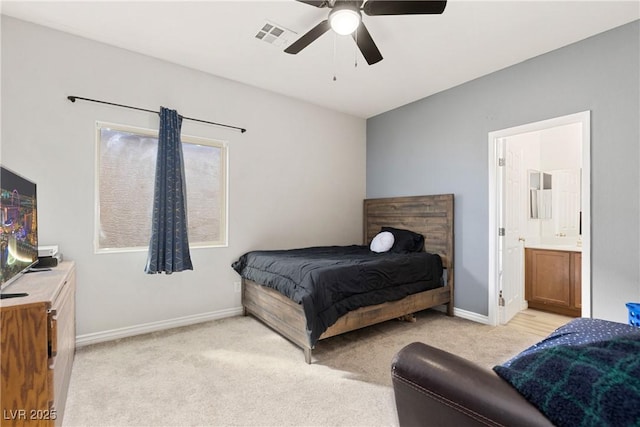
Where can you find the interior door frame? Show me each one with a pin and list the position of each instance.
(584, 118)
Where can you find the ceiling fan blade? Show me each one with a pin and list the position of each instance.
(309, 37)
(366, 45)
(404, 7)
(316, 3)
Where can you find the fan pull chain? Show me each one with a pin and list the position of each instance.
(355, 59)
(334, 57)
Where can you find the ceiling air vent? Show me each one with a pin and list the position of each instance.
(274, 34)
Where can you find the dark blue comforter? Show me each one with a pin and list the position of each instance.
(330, 281)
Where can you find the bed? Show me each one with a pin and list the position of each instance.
(287, 313)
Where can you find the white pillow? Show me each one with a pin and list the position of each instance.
(382, 242)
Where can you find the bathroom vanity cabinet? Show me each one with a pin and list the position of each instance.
(553, 281)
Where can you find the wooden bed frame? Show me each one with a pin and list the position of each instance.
(431, 216)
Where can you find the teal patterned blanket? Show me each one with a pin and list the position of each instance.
(592, 384)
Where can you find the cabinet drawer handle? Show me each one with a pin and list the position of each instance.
(53, 332)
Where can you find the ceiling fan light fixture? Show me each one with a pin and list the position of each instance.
(344, 21)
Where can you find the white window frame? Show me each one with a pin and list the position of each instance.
(185, 139)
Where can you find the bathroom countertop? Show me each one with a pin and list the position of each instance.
(553, 247)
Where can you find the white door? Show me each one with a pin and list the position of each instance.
(514, 207)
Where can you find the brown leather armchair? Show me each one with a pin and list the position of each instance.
(435, 388)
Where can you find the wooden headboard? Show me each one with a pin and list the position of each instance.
(431, 216)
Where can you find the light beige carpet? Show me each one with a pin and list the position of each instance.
(236, 371)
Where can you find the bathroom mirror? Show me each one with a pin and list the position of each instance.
(539, 195)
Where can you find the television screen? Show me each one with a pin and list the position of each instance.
(18, 226)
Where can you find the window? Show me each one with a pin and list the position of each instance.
(126, 161)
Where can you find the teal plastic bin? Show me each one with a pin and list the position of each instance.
(634, 313)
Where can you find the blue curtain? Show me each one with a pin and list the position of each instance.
(169, 245)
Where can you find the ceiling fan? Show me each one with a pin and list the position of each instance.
(345, 18)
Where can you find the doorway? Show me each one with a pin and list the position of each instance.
(506, 244)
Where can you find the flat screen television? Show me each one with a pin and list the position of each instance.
(18, 226)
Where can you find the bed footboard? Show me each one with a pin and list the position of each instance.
(374, 314)
(288, 318)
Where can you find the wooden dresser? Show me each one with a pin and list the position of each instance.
(38, 346)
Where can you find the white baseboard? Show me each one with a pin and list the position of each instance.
(145, 328)
(470, 315)
(129, 331)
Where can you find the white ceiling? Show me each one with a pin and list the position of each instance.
(423, 54)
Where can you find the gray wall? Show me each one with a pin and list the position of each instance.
(439, 145)
(296, 177)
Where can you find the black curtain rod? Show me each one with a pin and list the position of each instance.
(74, 98)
